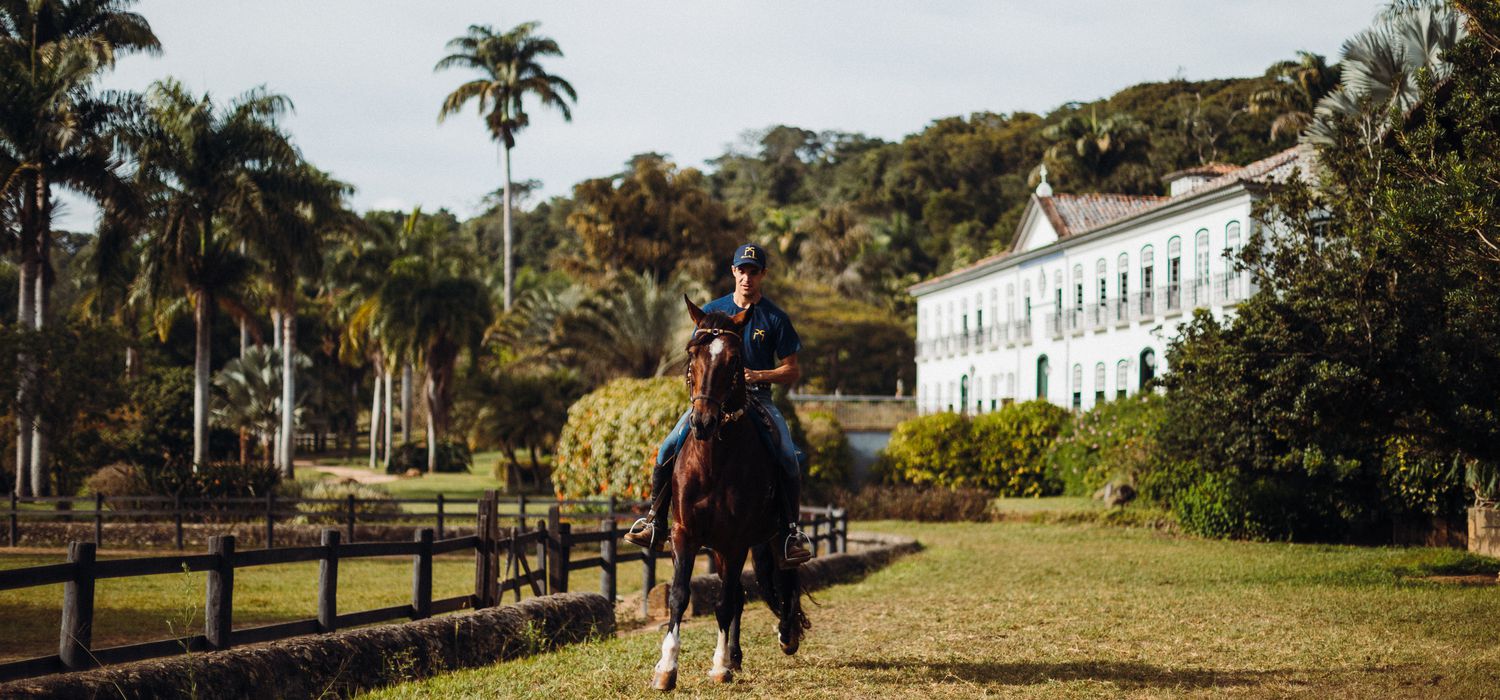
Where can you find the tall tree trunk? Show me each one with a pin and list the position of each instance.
(276, 342)
(39, 485)
(509, 261)
(288, 388)
(432, 432)
(375, 417)
(203, 322)
(24, 313)
(390, 453)
(406, 401)
(244, 333)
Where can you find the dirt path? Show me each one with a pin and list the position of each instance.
(359, 474)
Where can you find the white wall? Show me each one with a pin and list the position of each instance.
(941, 313)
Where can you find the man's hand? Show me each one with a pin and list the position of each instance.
(788, 373)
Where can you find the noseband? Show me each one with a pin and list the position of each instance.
(706, 335)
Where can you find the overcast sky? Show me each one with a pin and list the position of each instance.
(687, 78)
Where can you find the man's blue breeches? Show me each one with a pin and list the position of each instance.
(779, 444)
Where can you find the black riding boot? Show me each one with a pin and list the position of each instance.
(794, 545)
(650, 532)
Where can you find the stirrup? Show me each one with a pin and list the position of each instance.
(795, 538)
(636, 535)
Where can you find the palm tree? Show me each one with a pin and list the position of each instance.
(250, 395)
(1096, 145)
(208, 170)
(635, 326)
(511, 68)
(1380, 69)
(285, 233)
(1294, 94)
(52, 133)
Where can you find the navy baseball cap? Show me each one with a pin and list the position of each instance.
(750, 254)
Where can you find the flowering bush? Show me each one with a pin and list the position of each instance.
(608, 446)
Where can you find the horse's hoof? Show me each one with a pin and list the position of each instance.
(721, 676)
(791, 646)
(664, 680)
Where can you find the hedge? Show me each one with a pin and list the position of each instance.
(1003, 451)
(608, 446)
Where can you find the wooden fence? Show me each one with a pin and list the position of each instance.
(502, 563)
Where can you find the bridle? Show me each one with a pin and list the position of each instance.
(737, 374)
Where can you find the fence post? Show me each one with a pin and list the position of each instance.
(421, 577)
(15, 523)
(98, 520)
(270, 522)
(218, 614)
(328, 582)
(440, 516)
(481, 559)
(350, 501)
(177, 518)
(541, 554)
(844, 530)
(559, 538)
(607, 553)
(78, 608)
(521, 509)
(492, 549)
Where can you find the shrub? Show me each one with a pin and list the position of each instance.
(608, 446)
(1421, 482)
(1002, 451)
(369, 500)
(1011, 446)
(829, 459)
(1114, 442)
(915, 503)
(177, 478)
(452, 457)
(935, 449)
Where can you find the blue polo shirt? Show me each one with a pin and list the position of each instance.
(769, 335)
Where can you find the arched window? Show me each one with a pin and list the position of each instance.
(1201, 283)
(1148, 367)
(1232, 264)
(1122, 378)
(1043, 368)
(1101, 279)
(1010, 302)
(1148, 281)
(1010, 385)
(1098, 383)
(1077, 387)
(1026, 300)
(1122, 287)
(963, 394)
(1174, 273)
(1078, 288)
(926, 398)
(994, 392)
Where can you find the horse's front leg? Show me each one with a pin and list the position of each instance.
(683, 554)
(731, 604)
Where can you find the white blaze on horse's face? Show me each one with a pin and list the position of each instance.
(716, 348)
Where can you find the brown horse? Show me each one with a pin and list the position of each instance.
(723, 499)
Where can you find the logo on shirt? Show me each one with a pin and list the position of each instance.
(759, 334)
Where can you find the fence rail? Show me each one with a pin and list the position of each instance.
(537, 558)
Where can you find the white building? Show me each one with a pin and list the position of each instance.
(1081, 308)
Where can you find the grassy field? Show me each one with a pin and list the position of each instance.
(1030, 610)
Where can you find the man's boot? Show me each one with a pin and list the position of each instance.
(795, 547)
(651, 531)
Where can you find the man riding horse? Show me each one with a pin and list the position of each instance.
(770, 357)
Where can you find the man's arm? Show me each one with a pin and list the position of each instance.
(786, 373)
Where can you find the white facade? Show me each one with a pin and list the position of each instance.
(1082, 308)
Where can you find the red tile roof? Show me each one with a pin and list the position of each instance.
(1074, 214)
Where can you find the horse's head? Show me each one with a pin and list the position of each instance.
(715, 367)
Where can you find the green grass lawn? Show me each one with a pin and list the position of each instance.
(1042, 610)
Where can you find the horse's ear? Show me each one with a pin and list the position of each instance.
(693, 310)
(741, 318)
